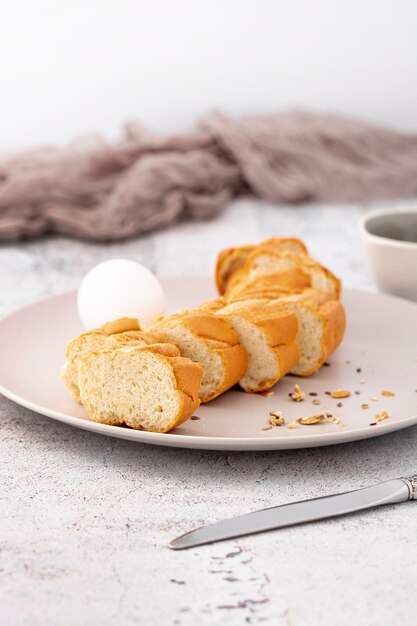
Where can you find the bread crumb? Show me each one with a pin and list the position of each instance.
(298, 394)
(276, 418)
(316, 401)
(382, 415)
(340, 393)
(388, 394)
(330, 418)
(267, 427)
(362, 381)
(292, 425)
(374, 399)
(364, 406)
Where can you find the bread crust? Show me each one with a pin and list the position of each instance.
(332, 314)
(218, 337)
(298, 261)
(121, 325)
(280, 330)
(231, 259)
(295, 279)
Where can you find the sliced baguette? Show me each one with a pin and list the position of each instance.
(209, 340)
(267, 260)
(268, 333)
(321, 327)
(113, 334)
(231, 259)
(148, 388)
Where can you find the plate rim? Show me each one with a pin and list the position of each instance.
(171, 439)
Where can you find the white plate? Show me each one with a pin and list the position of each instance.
(381, 340)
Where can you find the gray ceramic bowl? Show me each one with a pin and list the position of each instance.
(390, 239)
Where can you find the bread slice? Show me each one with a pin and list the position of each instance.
(113, 334)
(231, 259)
(267, 260)
(209, 340)
(148, 388)
(268, 333)
(321, 327)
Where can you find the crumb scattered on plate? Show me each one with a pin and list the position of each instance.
(382, 415)
(276, 418)
(298, 394)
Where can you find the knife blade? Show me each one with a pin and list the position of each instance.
(389, 492)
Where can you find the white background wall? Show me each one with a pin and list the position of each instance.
(82, 65)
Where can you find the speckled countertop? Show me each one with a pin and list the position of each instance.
(85, 519)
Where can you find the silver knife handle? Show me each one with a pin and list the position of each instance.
(411, 482)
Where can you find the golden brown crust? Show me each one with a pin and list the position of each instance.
(333, 315)
(235, 363)
(218, 337)
(278, 323)
(121, 325)
(228, 261)
(288, 356)
(280, 329)
(231, 259)
(294, 279)
(188, 376)
(292, 260)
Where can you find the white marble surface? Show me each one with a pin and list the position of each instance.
(85, 519)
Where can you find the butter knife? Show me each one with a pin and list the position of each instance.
(389, 492)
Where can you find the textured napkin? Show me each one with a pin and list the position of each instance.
(111, 191)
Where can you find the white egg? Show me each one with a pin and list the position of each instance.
(119, 288)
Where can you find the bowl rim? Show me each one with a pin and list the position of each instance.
(395, 243)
